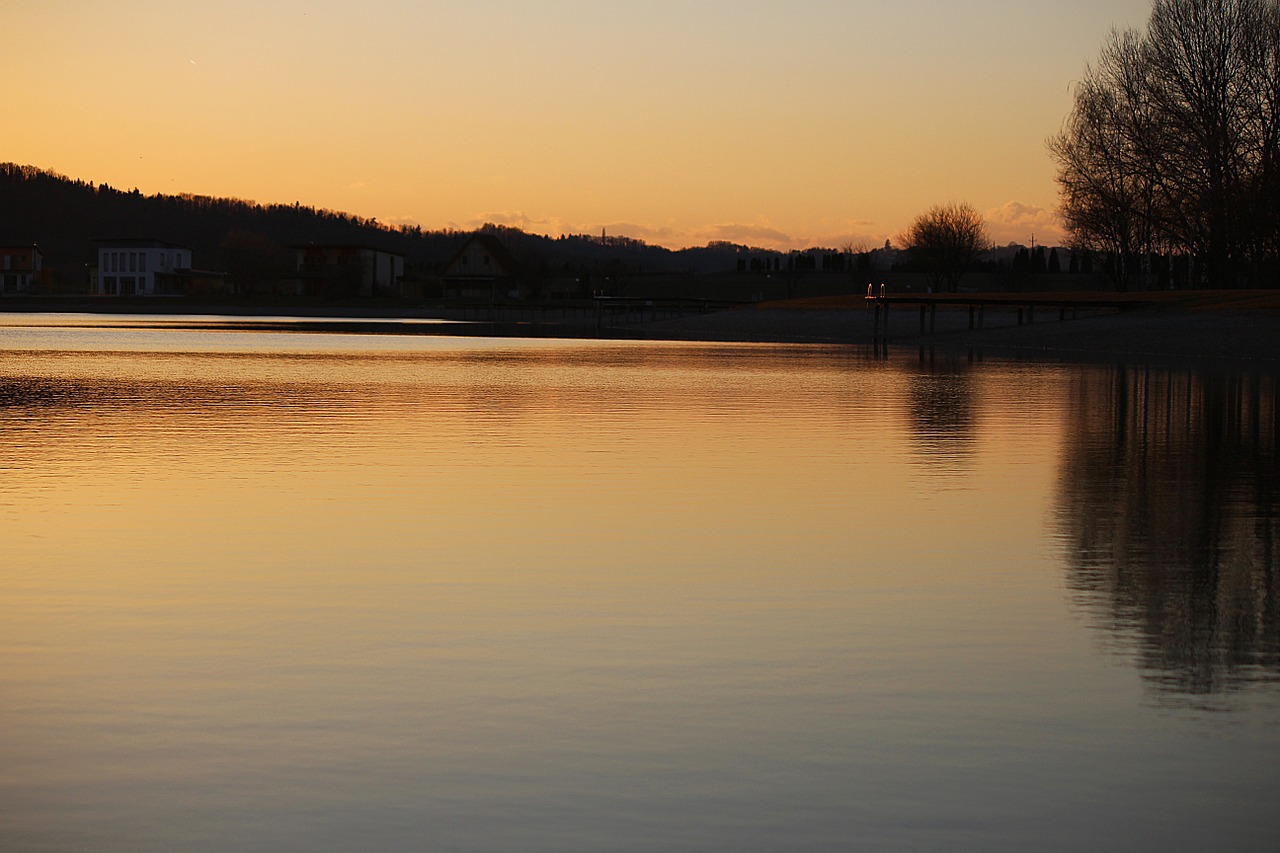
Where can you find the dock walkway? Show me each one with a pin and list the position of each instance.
(1067, 306)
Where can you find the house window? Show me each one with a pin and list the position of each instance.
(142, 262)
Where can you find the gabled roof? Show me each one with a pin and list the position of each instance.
(492, 245)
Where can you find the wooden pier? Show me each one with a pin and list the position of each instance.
(1067, 306)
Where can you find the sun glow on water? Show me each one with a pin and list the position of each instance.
(316, 591)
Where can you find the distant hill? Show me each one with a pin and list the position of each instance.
(65, 216)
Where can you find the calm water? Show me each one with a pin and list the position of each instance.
(267, 591)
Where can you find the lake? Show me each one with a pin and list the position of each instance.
(264, 590)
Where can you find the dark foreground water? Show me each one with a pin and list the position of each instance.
(267, 591)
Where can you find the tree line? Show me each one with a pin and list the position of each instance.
(1171, 153)
(252, 242)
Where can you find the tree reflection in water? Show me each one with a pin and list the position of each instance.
(1169, 508)
(941, 408)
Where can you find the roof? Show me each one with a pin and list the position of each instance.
(139, 243)
(495, 247)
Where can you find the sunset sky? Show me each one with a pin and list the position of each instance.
(783, 125)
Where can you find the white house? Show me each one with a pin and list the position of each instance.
(138, 267)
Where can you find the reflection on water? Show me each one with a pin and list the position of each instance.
(942, 414)
(320, 592)
(1171, 506)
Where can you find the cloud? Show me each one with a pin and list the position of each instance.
(512, 219)
(1015, 222)
(661, 235)
(859, 233)
(756, 235)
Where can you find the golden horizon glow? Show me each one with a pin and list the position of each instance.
(809, 124)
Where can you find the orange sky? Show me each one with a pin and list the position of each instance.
(785, 125)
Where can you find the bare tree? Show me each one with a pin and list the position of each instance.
(858, 258)
(1173, 144)
(945, 241)
(1108, 194)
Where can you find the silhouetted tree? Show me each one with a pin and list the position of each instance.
(1038, 262)
(1022, 260)
(859, 255)
(945, 241)
(1173, 143)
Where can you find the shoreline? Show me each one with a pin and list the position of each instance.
(1230, 327)
(1155, 334)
